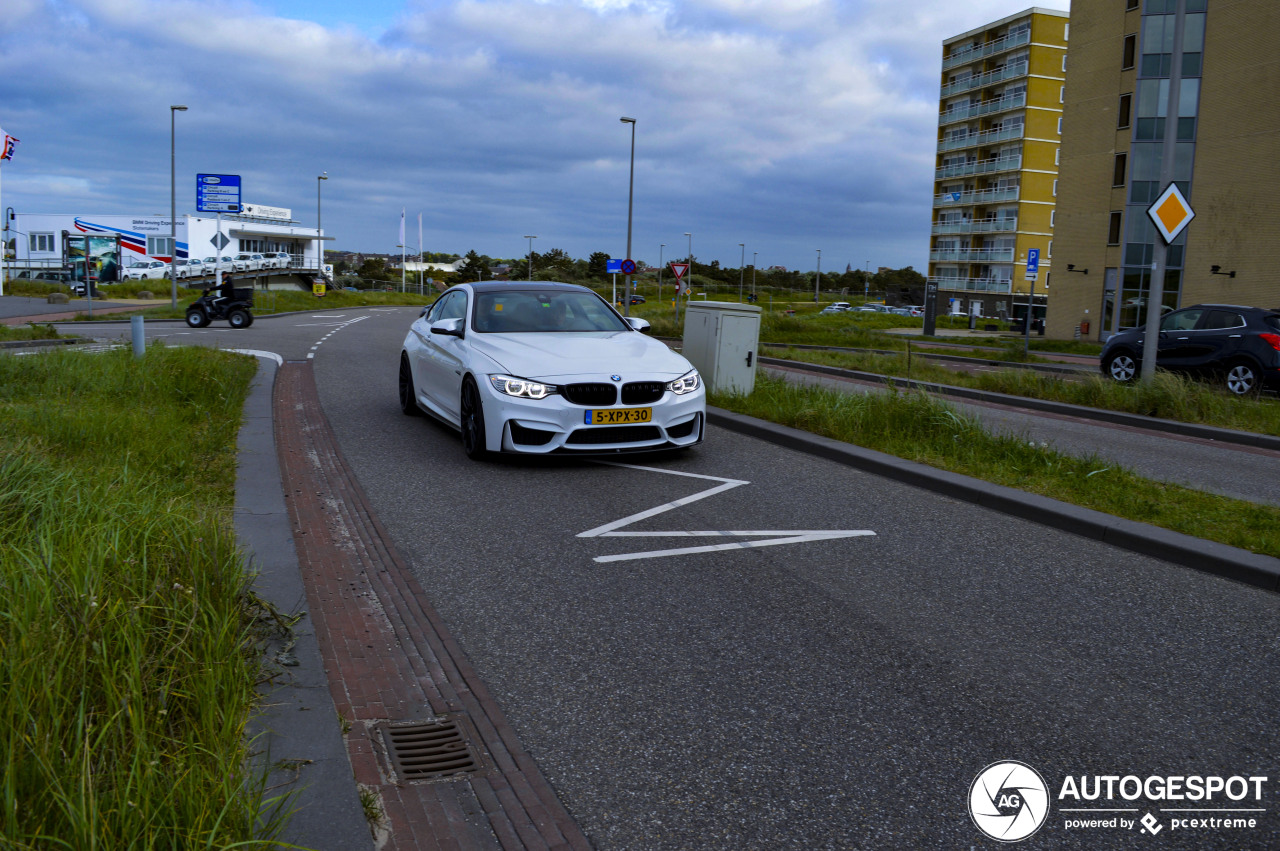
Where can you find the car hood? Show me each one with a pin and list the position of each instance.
(556, 355)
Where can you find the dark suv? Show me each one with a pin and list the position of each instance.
(1239, 346)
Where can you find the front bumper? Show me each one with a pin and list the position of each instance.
(555, 425)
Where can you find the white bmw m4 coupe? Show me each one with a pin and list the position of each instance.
(538, 368)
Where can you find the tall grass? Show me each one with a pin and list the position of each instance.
(1168, 396)
(126, 666)
(919, 427)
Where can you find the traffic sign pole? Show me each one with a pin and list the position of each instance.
(1160, 252)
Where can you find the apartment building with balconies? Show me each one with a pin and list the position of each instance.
(999, 127)
(1194, 76)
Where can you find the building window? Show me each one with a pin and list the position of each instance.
(1055, 189)
(1130, 5)
(42, 242)
(1130, 51)
(1052, 215)
(159, 246)
(1059, 126)
(1050, 252)
(1113, 228)
(1117, 177)
(1125, 111)
(1064, 62)
(1062, 92)
(1057, 156)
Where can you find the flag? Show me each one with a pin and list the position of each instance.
(402, 226)
(6, 152)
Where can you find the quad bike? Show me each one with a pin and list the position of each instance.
(235, 308)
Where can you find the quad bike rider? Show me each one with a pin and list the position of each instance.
(224, 301)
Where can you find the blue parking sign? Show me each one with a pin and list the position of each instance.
(1033, 263)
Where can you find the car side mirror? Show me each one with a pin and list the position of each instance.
(448, 328)
(424, 311)
(638, 324)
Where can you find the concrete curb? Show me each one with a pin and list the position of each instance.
(1219, 559)
(1222, 435)
(296, 730)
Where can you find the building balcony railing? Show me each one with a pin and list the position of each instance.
(979, 285)
(977, 226)
(973, 53)
(986, 107)
(986, 137)
(977, 81)
(991, 166)
(982, 196)
(972, 255)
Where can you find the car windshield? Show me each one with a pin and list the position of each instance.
(540, 312)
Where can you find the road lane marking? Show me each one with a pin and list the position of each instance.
(771, 537)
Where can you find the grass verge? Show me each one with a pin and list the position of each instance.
(920, 427)
(30, 331)
(1169, 396)
(126, 653)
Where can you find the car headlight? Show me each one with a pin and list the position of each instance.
(521, 387)
(686, 383)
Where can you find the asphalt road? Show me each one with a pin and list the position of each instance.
(840, 692)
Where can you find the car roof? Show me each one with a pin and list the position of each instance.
(523, 286)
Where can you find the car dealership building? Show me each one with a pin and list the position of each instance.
(42, 240)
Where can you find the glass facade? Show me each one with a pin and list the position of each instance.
(1159, 50)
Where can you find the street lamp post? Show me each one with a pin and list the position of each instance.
(817, 282)
(319, 229)
(531, 238)
(688, 272)
(754, 254)
(661, 247)
(866, 282)
(630, 196)
(742, 269)
(173, 212)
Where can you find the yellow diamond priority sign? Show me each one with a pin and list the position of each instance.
(1171, 213)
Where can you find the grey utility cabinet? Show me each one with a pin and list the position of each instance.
(721, 340)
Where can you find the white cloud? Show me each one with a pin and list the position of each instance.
(783, 123)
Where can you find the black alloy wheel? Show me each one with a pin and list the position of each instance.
(408, 404)
(238, 317)
(197, 318)
(472, 422)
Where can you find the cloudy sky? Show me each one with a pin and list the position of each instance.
(787, 125)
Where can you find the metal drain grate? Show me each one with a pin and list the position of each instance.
(430, 750)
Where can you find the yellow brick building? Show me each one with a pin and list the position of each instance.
(1000, 119)
(1126, 57)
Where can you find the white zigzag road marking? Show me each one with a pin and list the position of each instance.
(772, 537)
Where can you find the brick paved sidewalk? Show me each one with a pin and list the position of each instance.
(390, 660)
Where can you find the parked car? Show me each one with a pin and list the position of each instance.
(636, 298)
(261, 260)
(541, 368)
(277, 260)
(874, 308)
(1235, 345)
(244, 262)
(831, 308)
(211, 264)
(841, 305)
(185, 268)
(143, 270)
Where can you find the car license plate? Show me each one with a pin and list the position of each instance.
(617, 416)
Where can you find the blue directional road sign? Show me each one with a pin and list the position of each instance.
(218, 193)
(1033, 263)
(613, 267)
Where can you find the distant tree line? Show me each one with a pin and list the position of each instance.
(897, 286)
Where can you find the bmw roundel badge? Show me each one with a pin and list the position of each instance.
(616, 377)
